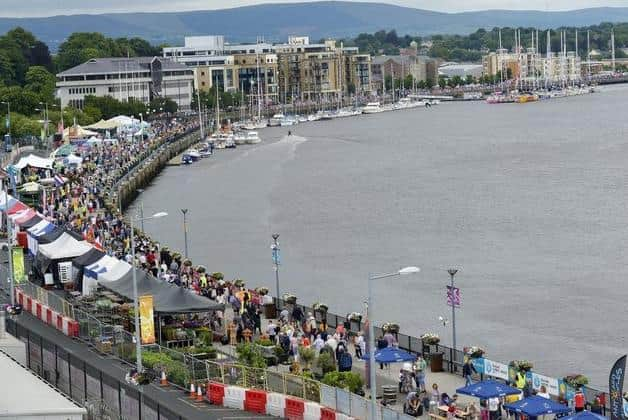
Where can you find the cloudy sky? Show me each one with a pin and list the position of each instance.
(23, 8)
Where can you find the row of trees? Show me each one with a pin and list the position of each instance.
(471, 47)
(28, 82)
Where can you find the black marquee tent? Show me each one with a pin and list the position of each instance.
(167, 297)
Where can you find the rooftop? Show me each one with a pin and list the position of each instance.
(18, 388)
(120, 65)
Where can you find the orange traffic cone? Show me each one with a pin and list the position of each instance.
(199, 393)
(192, 391)
(163, 381)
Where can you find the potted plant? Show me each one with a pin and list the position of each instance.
(355, 318)
(217, 276)
(202, 352)
(350, 381)
(201, 269)
(307, 355)
(262, 291)
(281, 355)
(521, 365)
(323, 365)
(474, 352)
(576, 380)
(239, 283)
(266, 346)
(431, 339)
(290, 299)
(320, 311)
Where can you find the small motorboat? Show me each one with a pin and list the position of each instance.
(193, 154)
(205, 150)
(252, 137)
(276, 120)
(239, 138)
(186, 159)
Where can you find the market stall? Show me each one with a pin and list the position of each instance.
(54, 259)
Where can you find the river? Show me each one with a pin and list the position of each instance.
(528, 201)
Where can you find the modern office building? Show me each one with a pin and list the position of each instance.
(139, 78)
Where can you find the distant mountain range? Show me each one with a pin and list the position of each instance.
(318, 20)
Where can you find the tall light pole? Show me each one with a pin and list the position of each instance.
(371, 322)
(9, 243)
(185, 231)
(8, 120)
(136, 306)
(452, 272)
(276, 261)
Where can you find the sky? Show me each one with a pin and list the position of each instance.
(29, 8)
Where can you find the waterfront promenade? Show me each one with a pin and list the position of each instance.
(192, 279)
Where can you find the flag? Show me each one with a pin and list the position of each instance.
(616, 388)
(59, 180)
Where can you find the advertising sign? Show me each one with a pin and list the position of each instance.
(19, 274)
(616, 389)
(147, 324)
(495, 369)
(550, 384)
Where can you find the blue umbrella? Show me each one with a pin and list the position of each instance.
(537, 406)
(585, 415)
(488, 389)
(391, 355)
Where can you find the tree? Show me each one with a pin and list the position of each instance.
(442, 82)
(40, 82)
(22, 101)
(469, 80)
(163, 105)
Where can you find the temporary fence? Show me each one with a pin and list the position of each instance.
(183, 369)
(103, 394)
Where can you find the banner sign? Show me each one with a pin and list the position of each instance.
(490, 368)
(147, 323)
(616, 388)
(552, 385)
(19, 274)
(453, 296)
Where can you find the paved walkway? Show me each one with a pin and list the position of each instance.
(447, 382)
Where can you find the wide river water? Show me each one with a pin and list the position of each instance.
(528, 201)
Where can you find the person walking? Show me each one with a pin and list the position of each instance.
(579, 401)
(467, 371)
(359, 342)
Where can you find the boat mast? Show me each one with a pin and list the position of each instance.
(613, 47)
(383, 83)
(259, 92)
(589, 54)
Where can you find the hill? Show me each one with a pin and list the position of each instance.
(318, 20)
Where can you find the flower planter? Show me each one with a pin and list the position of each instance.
(267, 351)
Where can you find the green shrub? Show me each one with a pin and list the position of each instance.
(346, 380)
(264, 342)
(307, 355)
(250, 355)
(325, 363)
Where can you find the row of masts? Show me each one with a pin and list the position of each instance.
(562, 56)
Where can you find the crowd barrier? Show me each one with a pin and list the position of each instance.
(46, 314)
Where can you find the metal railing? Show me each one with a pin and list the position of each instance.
(183, 369)
(453, 359)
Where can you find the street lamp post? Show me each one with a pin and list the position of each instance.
(8, 121)
(9, 243)
(371, 330)
(276, 256)
(185, 231)
(136, 306)
(452, 272)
